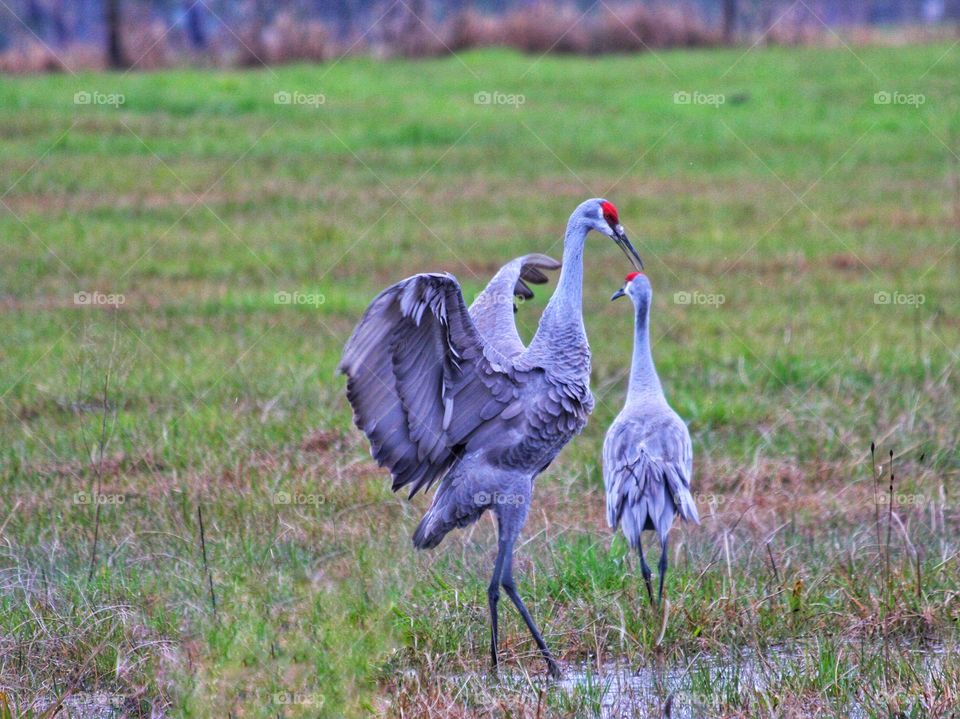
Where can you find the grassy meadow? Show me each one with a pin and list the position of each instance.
(801, 237)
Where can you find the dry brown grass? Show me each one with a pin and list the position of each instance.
(639, 27)
(34, 57)
(470, 29)
(291, 39)
(542, 28)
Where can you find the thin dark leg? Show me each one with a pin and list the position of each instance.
(510, 587)
(493, 596)
(645, 570)
(663, 568)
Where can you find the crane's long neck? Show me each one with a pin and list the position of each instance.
(644, 381)
(569, 293)
(561, 337)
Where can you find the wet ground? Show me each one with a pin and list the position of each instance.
(98, 705)
(693, 690)
(621, 691)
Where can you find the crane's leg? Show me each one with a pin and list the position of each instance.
(645, 570)
(493, 594)
(662, 567)
(511, 589)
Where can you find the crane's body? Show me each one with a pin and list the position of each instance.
(647, 453)
(516, 440)
(441, 399)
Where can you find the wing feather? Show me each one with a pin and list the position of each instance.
(421, 380)
(493, 310)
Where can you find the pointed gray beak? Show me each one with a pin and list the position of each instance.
(620, 237)
(618, 294)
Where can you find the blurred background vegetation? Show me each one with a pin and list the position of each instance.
(57, 35)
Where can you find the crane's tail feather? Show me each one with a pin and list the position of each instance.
(454, 505)
(682, 498)
(655, 494)
(436, 525)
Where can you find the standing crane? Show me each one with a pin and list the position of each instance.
(439, 400)
(647, 455)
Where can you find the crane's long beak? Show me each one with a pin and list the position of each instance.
(620, 237)
(618, 294)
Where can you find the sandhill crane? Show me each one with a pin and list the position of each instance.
(437, 399)
(647, 455)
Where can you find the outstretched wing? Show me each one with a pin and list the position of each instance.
(492, 312)
(646, 461)
(421, 380)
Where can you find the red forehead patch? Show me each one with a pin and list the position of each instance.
(610, 213)
(632, 275)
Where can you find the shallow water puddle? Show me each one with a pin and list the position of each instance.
(615, 691)
(694, 689)
(96, 705)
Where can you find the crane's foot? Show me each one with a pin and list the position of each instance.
(553, 669)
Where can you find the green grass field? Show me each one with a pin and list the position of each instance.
(801, 239)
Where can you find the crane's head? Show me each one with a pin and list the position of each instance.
(600, 215)
(637, 287)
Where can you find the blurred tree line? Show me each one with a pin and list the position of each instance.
(196, 25)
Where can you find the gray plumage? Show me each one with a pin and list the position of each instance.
(439, 399)
(647, 454)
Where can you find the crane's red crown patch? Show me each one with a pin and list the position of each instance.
(610, 213)
(632, 275)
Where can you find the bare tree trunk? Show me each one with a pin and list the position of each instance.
(766, 20)
(729, 20)
(61, 33)
(195, 27)
(116, 58)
